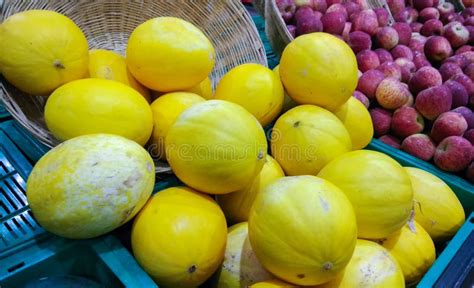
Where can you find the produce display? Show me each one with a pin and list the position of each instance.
(276, 189)
(417, 73)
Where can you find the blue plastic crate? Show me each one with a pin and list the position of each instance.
(454, 267)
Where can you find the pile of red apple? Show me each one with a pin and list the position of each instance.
(417, 75)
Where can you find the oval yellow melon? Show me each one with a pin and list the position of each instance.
(288, 103)
(90, 106)
(306, 138)
(437, 209)
(90, 185)
(303, 229)
(254, 87)
(273, 283)
(216, 147)
(110, 65)
(371, 266)
(378, 188)
(165, 111)
(169, 54)
(203, 89)
(414, 250)
(241, 267)
(37, 63)
(179, 237)
(357, 120)
(236, 205)
(319, 69)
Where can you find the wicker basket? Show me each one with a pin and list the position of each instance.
(108, 24)
(275, 27)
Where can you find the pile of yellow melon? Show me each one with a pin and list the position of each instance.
(318, 212)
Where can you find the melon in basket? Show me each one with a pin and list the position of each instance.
(38, 61)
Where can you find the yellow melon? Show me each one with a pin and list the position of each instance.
(306, 138)
(90, 106)
(303, 229)
(319, 69)
(254, 87)
(90, 185)
(216, 147)
(236, 205)
(414, 250)
(437, 209)
(179, 237)
(241, 267)
(41, 50)
(378, 188)
(169, 54)
(110, 65)
(371, 266)
(165, 111)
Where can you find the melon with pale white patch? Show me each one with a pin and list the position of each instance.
(90, 185)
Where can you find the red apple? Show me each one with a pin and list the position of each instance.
(396, 5)
(390, 69)
(420, 60)
(453, 154)
(461, 60)
(459, 93)
(469, 21)
(333, 22)
(383, 55)
(437, 49)
(359, 41)
(367, 59)
(402, 51)
(404, 32)
(407, 121)
(381, 120)
(464, 48)
(428, 14)
(287, 9)
(469, 11)
(410, 101)
(331, 2)
(386, 37)
(362, 98)
(366, 21)
(319, 5)
(469, 135)
(466, 82)
(467, 114)
(433, 101)
(308, 24)
(391, 141)
(407, 15)
(445, 8)
(369, 81)
(449, 69)
(422, 4)
(469, 71)
(416, 26)
(407, 68)
(338, 7)
(456, 34)
(419, 145)
(391, 94)
(432, 27)
(448, 124)
(424, 78)
(382, 16)
(351, 8)
(417, 42)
